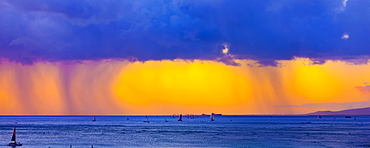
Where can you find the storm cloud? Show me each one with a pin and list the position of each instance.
(266, 30)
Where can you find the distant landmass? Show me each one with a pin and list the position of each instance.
(348, 112)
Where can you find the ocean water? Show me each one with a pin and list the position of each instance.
(225, 131)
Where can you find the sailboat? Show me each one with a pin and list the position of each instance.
(13, 141)
(212, 117)
(147, 121)
(94, 119)
(180, 119)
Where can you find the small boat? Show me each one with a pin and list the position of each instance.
(318, 116)
(347, 117)
(94, 119)
(212, 117)
(180, 119)
(13, 141)
(165, 120)
(127, 118)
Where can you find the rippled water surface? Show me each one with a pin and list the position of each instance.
(225, 131)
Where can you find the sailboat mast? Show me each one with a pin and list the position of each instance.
(180, 119)
(13, 137)
(212, 117)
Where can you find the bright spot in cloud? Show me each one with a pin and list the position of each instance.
(226, 50)
(344, 3)
(345, 36)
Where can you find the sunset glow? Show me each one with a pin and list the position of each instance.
(171, 87)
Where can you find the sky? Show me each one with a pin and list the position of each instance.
(71, 57)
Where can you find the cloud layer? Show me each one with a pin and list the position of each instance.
(154, 30)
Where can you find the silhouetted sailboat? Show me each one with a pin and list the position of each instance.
(147, 121)
(13, 141)
(94, 119)
(180, 119)
(212, 117)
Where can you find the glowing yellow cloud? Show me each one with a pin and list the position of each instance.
(168, 87)
(207, 83)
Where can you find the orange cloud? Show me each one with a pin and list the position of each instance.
(169, 87)
(364, 89)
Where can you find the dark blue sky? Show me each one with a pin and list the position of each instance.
(264, 30)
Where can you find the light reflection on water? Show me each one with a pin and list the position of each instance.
(225, 131)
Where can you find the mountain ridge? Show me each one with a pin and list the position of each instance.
(352, 112)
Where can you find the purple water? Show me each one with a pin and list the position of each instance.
(225, 131)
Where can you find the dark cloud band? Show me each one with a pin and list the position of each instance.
(154, 30)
